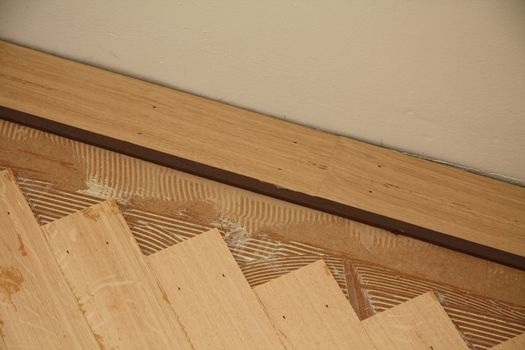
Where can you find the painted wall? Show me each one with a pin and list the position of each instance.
(442, 79)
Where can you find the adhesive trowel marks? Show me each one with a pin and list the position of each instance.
(484, 323)
(267, 237)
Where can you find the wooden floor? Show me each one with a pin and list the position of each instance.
(420, 323)
(404, 194)
(37, 308)
(82, 283)
(107, 273)
(211, 296)
(375, 269)
(308, 307)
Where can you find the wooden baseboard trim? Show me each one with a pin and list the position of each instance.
(247, 183)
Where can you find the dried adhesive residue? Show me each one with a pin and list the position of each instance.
(441, 298)
(234, 233)
(97, 186)
(91, 213)
(10, 282)
(21, 246)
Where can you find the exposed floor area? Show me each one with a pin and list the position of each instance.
(82, 282)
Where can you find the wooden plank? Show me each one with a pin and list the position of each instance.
(385, 188)
(516, 343)
(108, 274)
(310, 311)
(420, 323)
(37, 308)
(215, 304)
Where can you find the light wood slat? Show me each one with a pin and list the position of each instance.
(210, 295)
(107, 272)
(516, 343)
(37, 308)
(420, 323)
(310, 311)
(348, 172)
(428, 194)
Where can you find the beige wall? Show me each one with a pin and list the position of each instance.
(443, 79)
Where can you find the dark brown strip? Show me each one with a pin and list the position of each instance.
(265, 188)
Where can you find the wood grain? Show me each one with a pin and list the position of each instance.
(108, 274)
(310, 311)
(328, 172)
(420, 323)
(37, 308)
(516, 343)
(428, 194)
(214, 302)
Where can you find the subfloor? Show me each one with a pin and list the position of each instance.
(375, 269)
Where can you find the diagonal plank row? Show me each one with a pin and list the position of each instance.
(310, 311)
(81, 282)
(107, 273)
(211, 296)
(37, 308)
